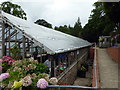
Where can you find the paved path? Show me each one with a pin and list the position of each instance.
(108, 70)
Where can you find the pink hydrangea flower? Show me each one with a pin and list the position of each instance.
(42, 83)
(53, 80)
(26, 81)
(4, 76)
(8, 59)
(11, 61)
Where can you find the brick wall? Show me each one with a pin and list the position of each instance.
(69, 75)
(114, 52)
(91, 53)
(97, 77)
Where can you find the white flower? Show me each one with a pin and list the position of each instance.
(53, 80)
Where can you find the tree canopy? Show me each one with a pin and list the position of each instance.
(43, 23)
(112, 10)
(104, 19)
(75, 30)
(99, 24)
(13, 9)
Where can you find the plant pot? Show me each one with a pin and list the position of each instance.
(81, 74)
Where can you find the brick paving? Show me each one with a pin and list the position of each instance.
(108, 70)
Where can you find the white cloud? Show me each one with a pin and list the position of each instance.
(57, 12)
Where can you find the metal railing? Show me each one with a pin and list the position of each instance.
(95, 67)
(70, 86)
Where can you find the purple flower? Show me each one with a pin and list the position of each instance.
(42, 83)
(4, 76)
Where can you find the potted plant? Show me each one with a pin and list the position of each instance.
(85, 64)
(82, 72)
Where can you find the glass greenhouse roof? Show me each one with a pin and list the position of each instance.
(52, 41)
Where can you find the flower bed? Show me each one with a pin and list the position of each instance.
(24, 73)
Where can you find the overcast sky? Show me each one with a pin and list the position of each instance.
(57, 12)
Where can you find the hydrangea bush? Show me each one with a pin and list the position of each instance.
(26, 73)
(5, 63)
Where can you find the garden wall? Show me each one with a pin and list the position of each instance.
(69, 75)
(114, 52)
(95, 70)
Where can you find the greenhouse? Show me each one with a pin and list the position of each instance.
(24, 39)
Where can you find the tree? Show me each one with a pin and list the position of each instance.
(43, 23)
(77, 28)
(75, 31)
(112, 10)
(13, 9)
(63, 29)
(98, 24)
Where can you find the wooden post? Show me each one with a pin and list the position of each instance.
(9, 41)
(68, 59)
(16, 38)
(52, 68)
(32, 49)
(3, 39)
(24, 51)
(28, 45)
(6, 30)
(41, 53)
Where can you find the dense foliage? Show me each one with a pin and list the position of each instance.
(103, 21)
(75, 31)
(15, 52)
(13, 9)
(112, 10)
(43, 23)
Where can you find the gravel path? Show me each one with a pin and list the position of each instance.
(108, 70)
